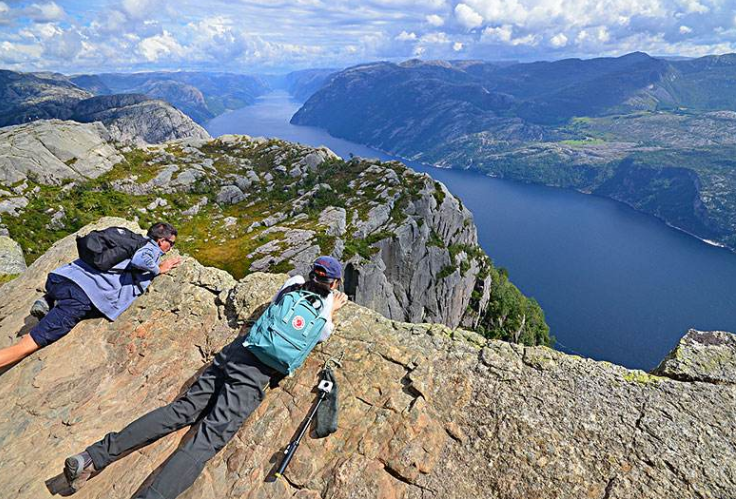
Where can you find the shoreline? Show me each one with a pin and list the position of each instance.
(709, 242)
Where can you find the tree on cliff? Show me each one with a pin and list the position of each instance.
(511, 316)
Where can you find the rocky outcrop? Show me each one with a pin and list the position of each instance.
(250, 205)
(28, 97)
(426, 411)
(416, 276)
(53, 151)
(707, 356)
(137, 119)
(11, 257)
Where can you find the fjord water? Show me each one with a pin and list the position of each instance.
(615, 284)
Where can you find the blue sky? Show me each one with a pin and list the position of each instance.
(281, 35)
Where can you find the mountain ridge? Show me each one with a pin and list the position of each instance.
(571, 123)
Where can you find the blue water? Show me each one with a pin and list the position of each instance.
(615, 284)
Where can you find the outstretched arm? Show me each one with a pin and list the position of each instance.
(12, 354)
(339, 299)
(147, 259)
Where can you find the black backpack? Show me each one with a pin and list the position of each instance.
(103, 249)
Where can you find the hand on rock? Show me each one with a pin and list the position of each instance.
(169, 264)
(340, 300)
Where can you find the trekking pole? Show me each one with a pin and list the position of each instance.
(324, 388)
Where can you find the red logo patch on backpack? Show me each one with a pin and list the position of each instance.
(298, 323)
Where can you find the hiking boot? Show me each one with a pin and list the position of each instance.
(78, 469)
(40, 308)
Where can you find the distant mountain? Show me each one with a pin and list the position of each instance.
(27, 97)
(570, 123)
(200, 95)
(130, 118)
(303, 84)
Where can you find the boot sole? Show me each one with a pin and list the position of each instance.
(74, 476)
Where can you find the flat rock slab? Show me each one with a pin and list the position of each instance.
(52, 151)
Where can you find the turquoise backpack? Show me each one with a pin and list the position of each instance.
(287, 331)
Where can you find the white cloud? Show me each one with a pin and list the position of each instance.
(530, 40)
(139, 9)
(153, 48)
(435, 20)
(249, 35)
(556, 14)
(436, 38)
(559, 40)
(45, 12)
(505, 35)
(694, 7)
(501, 33)
(63, 45)
(405, 37)
(468, 17)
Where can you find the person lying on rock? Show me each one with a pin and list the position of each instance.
(230, 389)
(78, 291)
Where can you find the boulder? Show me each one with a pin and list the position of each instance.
(13, 206)
(335, 219)
(11, 257)
(708, 356)
(230, 194)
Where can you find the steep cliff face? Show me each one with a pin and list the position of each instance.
(426, 411)
(427, 270)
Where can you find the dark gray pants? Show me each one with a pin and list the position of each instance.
(222, 397)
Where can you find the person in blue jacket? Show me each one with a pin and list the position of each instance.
(77, 291)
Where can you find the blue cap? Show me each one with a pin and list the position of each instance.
(327, 266)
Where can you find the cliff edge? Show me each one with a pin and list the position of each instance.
(426, 411)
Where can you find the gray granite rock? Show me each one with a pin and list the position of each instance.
(708, 356)
(53, 151)
(13, 206)
(11, 257)
(136, 119)
(335, 219)
(57, 220)
(186, 180)
(230, 194)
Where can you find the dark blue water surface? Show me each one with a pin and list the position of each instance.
(615, 284)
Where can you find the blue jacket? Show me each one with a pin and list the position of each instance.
(113, 292)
